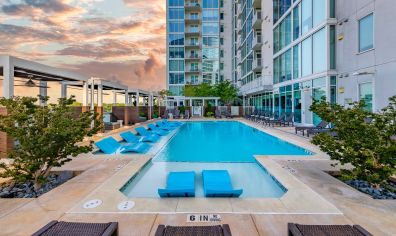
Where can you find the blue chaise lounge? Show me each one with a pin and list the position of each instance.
(110, 146)
(144, 132)
(157, 130)
(164, 127)
(179, 184)
(130, 137)
(217, 183)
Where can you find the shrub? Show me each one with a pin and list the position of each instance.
(364, 139)
(47, 137)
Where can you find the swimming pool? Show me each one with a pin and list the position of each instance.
(210, 145)
(223, 141)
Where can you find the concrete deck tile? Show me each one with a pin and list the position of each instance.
(8, 205)
(207, 205)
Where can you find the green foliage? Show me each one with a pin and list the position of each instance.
(163, 93)
(142, 114)
(182, 109)
(364, 139)
(47, 137)
(225, 90)
(209, 114)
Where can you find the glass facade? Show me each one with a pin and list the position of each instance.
(366, 95)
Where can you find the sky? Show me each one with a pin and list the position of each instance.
(118, 40)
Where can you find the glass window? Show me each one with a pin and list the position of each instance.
(306, 57)
(333, 89)
(176, 27)
(296, 22)
(288, 30)
(176, 65)
(211, 41)
(366, 94)
(210, 28)
(319, 52)
(176, 13)
(296, 61)
(176, 39)
(176, 78)
(288, 64)
(176, 52)
(366, 33)
(319, 11)
(210, 53)
(210, 3)
(176, 3)
(210, 15)
(176, 90)
(306, 16)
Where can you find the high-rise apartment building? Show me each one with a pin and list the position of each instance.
(196, 39)
(283, 54)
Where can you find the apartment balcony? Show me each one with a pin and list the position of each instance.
(257, 42)
(257, 20)
(256, 3)
(262, 83)
(257, 65)
(192, 70)
(191, 32)
(192, 20)
(193, 57)
(239, 11)
(190, 6)
(192, 45)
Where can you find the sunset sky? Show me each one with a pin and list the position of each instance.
(120, 40)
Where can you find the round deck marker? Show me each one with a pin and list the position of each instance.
(92, 204)
(126, 205)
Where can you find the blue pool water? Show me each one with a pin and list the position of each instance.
(223, 141)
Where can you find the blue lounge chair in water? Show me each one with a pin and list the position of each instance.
(217, 183)
(179, 184)
(171, 124)
(144, 132)
(163, 126)
(110, 146)
(132, 138)
(157, 130)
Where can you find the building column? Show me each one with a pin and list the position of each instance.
(114, 97)
(100, 95)
(92, 95)
(85, 97)
(63, 90)
(43, 93)
(137, 98)
(8, 82)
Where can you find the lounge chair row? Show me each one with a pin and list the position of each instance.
(61, 228)
(137, 143)
(216, 183)
(271, 119)
(176, 114)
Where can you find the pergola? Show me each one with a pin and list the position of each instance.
(171, 100)
(11, 67)
(98, 86)
(135, 95)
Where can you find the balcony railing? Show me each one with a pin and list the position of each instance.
(258, 84)
(257, 20)
(257, 42)
(193, 70)
(193, 56)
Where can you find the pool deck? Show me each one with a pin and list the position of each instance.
(313, 197)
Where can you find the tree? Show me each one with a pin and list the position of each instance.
(163, 93)
(47, 137)
(364, 139)
(200, 90)
(226, 91)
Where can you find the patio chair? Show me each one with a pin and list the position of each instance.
(157, 130)
(321, 130)
(323, 124)
(176, 114)
(110, 146)
(144, 132)
(166, 115)
(179, 184)
(278, 121)
(187, 114)
(217, 114)
(252, 116)
(214, 230)
(217, 183)
(314, 230)
(62, 228)
(130, 137)
(228, 114)
(288, 120)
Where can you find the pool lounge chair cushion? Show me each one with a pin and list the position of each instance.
(318, 230)
(130, 137)
(179, 184)
(217, 183)
(160, 125)
(171, 123)
(157, 130)
(214, 230)
(144, 132)
(110, 146)
(61, 228)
